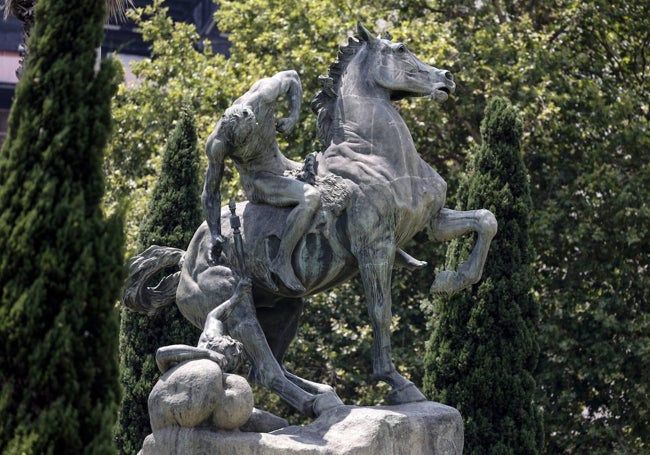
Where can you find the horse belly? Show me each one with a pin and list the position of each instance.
(320, 263)
(319, 260)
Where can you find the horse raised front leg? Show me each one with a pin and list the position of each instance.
(375, 269)
(449, 224)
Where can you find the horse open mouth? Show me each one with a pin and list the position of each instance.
(440, 93)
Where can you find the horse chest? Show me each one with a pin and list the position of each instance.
(416, 199)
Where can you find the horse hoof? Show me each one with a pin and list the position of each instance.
(263, 422)
(325, 401)
(445, 283)
(407, 393)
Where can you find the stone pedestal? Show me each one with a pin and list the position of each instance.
(424, 428)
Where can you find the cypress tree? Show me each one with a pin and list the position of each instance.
(174, 213)
(484, 347)
(61, 263)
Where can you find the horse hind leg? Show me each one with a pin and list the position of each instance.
(244, 326)
(280, 324)
(279, 320)
(449, 224)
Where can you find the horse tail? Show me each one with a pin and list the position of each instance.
(145, 268)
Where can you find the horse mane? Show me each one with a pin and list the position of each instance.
(323, 104)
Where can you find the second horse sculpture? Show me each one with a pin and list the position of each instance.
(379, 192)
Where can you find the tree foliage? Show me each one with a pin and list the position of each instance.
(61, 263)
(177, 75)
(578, 72)
(173, 216)
(484, 348)
(591, 176)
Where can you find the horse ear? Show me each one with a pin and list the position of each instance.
(365, 35)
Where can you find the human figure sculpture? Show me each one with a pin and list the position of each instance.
(218, 399)
(377, 193)
(214, 343)
(246, 134)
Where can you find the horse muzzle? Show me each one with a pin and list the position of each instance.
(443, 86)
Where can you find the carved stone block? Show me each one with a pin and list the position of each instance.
(424, 428)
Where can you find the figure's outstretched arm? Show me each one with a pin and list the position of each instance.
(216, 149)
(214, 321)
(168, 357)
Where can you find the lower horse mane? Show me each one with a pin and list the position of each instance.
(334, 190)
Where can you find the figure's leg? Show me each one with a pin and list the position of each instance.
(294, 228)
(283, 191)
(449, 224)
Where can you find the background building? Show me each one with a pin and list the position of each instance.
(121, 37)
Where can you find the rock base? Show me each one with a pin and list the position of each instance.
(424, 428)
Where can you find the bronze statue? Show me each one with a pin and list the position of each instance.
(376, 193)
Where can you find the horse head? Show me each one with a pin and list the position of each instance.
(395, 69)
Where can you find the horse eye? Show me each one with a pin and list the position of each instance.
(401, 48)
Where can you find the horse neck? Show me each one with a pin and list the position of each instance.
(368, 124)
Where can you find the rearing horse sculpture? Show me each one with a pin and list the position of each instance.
(384, 194)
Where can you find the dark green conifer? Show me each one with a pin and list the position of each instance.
(484, 347)
(61, 260)
(174, 214)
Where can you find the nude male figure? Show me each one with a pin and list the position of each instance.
(214, 344)
(246, 134)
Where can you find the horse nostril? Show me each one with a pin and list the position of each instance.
(449, 76)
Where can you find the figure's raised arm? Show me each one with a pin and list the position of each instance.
(216, 150)
(270, 89)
